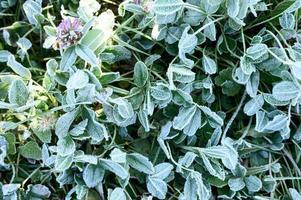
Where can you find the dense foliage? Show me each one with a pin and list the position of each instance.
(142, 99)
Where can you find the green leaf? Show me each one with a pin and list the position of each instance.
(18, 68)
(18, 93)
(285, 90)
(93, 175)
(93, 39)
(253, 183)
(156, 187)
(140, 163)
(86, 54)
(11, 140)
(65, 146)
(209, 65)
(140, 74)
(167, 7)
(31, 150)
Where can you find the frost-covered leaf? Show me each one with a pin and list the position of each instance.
(31, 150)
(66, 146)
(195, 123)
(78, 80)
(285, 90)
(294, 194)
(215, 119)
(79, 128)
(114, 167)
(63, 162)
(236, 184)
(287, 21)
(186, 45)
(18, 93)
(18, 68)
(277, 123)
(246, 67)
(184, 117)
(252, 106)
(252, 84)
(38, 191)
(182, 74)
(140, 163)
(256, 51)
(167, 7)
(210, 30)
(140, 74)
(92, 175)
(209, 65)
(162, 170)
(142, 116)
(63, 124)
(117, 194)
(93, 39)
(253, 183)
(33, 10)
(85, 53)
(68, 58)
(157, 187)
(118, 156)
(194, 187)
(232, 8)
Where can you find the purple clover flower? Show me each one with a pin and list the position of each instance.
(69, 32)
